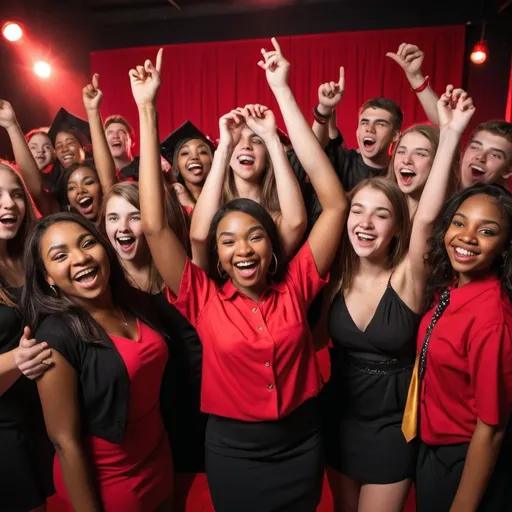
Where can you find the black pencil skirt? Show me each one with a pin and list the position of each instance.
(271, 466)
(438, 473)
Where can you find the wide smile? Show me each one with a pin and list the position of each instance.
(463, 255)
(406, 175)
(246, 268)
(195, 168)
(87, 277)
(477, 172)
(369, 143)
(86, 204)
(365, 239)
(246, 161)
(9, 220)
(126, 242)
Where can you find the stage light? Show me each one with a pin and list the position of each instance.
(479, 53)
(12, 31)
(42, 69)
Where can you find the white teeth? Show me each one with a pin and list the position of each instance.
(246, 159)
(478, 169)
(68, 157)
(194, 166)
(85, 272)
(407, 172)
(8, 217)
(368, 139)
(244, 264)
(125, 238)
(464, 252)
(365, 236)
(85, 199)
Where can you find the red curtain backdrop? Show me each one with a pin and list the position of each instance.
(203, 81)
(508, 113)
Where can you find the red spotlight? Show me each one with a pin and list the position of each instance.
(42, 69)
(12, 31)
(479, 53)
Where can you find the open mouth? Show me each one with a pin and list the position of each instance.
(369, 143)
(195, 168)
(246, 160)
(407, 175)
(477, 172)
(246, 268)
(86, 204)
(67, 158)
(116, 145)
(87, 278)
(126, 242)
(464, 255)
(9, 220)
(365, 239)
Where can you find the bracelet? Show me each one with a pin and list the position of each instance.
(423, 86)
(320, 118)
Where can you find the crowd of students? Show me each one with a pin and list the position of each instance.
(164, 312)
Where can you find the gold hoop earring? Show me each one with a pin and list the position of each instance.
(220, 270)
(273, 272)
(54, 289)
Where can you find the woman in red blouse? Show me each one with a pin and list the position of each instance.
(466, 389)
(263, 447)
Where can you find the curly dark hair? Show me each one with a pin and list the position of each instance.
(441, 273)
(257, 212)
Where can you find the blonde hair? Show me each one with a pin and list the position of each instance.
(269, 198)
(16, 246)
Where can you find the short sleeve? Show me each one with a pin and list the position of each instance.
(490, 368)
(59, 337)
(303, 275)
(196, 289)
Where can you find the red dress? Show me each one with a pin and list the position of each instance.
(136, 475)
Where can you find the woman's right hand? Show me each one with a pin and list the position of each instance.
(32, 358)
(231, 126)
(145, 81)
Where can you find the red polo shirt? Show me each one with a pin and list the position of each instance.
(469, 364)
(259, 362)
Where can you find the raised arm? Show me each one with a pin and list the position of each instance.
(103, 160)
(410, 58)
(58, 393)
(329, 96)
(30, 173)
(326, 234)
(455, 111)
(209, 201)
(292, 221)
(166, 249)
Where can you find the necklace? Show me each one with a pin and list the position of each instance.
(124, 318)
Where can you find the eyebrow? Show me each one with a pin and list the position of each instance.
(416, 149)
(497, 150)
(63, 246)
(483, 221)
(379, 208)
(376, 120)
(133, 212)
(249, 231)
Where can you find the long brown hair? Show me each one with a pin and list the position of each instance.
(431, 133)
(16, 246)
(345, 265)
(176, 217)
(269, 198)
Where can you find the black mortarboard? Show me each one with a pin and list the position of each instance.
(185, 132)
(66, 122)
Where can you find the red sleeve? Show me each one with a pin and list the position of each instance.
(196, 289)
(490, 370)
(303, 274)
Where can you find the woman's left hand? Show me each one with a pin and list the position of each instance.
(260, 120)
(145, 81)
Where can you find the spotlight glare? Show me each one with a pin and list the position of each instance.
(42, 69)
(479, 53)
(12, 31)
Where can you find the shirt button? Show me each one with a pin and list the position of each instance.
(267, 364)
(254, 310)
(260, 328)
(270, 386)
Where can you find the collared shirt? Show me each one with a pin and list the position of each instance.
(259, 362)
(469, 364)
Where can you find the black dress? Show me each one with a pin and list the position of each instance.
(26, 455)
(365, 398)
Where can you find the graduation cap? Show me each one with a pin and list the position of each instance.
(178, 137)
(66, 122)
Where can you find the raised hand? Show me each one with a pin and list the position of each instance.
(455, 109)
(409, 57)
(92, 95)
(331, 93)
(32, 358)
(231, 126)
(260, 120)
(145, 80)
(7, 115)
(275, 66)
